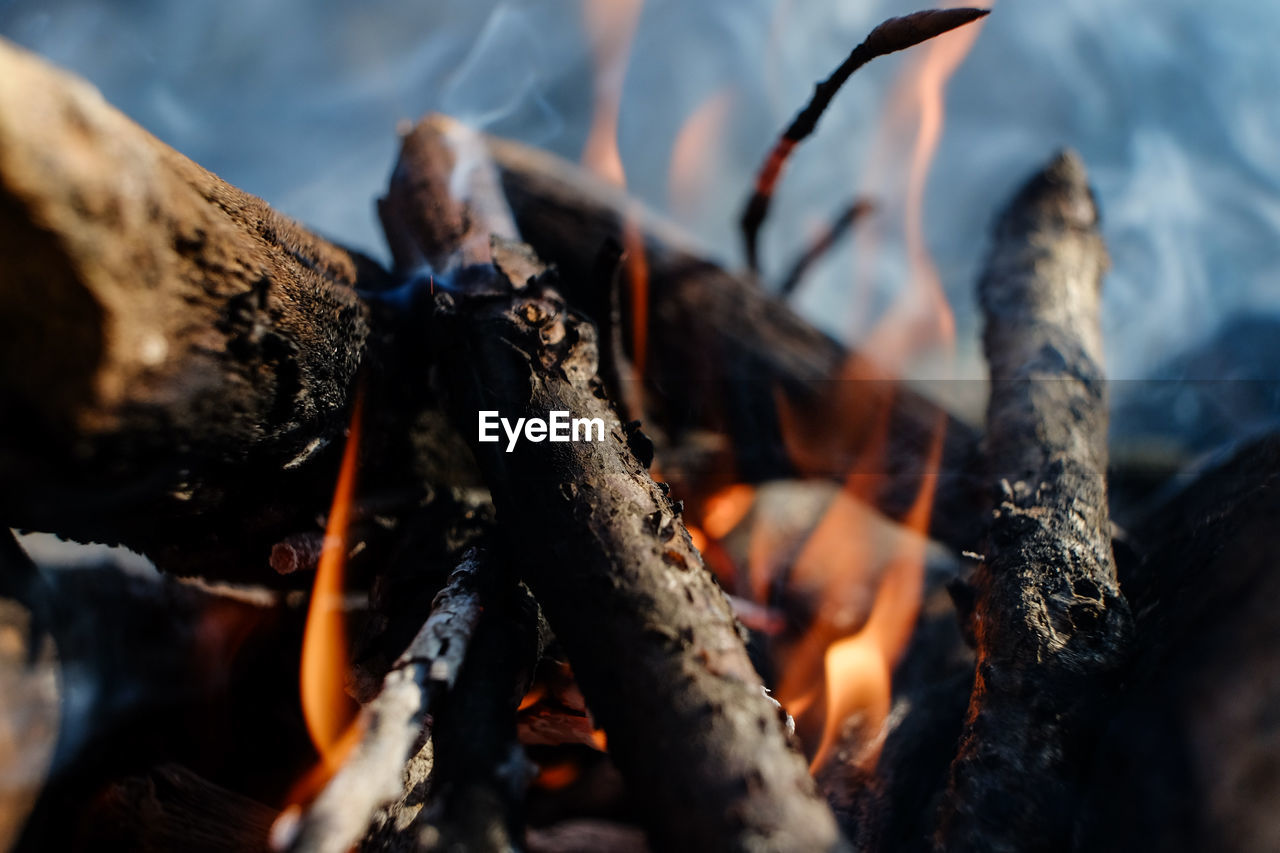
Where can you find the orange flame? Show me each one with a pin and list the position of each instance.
(839, 673)
(857, 668)
(328, 711)
(611, 28)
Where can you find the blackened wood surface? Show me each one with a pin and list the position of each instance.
(155, 323)
(1051, 625)
(480, 776)
(171, 808)
(722, 350)
(1190, 759)
(651, 637)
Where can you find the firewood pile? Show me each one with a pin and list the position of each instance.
(532, 644)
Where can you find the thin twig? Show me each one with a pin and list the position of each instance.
(839, 226)
(393, 723)
(893, 35)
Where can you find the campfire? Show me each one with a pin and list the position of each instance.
(557, 535)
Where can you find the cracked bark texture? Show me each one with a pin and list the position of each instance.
(166, 340)
(1051, 625)
(651, 637)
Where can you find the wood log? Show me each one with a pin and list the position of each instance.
(162, 333)
(1052, 627)
(651, 637)
(1190, 758)
(152, 670)
(724, 348)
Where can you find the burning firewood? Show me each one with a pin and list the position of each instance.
(1052, 626)
(122, 669)
(480, 777)
(392, 725)
(183, 361)
(651, 638)
(728, 347)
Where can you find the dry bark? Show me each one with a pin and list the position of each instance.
(481, 773)
(1052, 627)
(159, 328)
(728, 349)
(651, 637)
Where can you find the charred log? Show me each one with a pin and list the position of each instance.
(142, 663)
(604, 549)
(29, 683)
(1052, 627)
(1190, 757)
(480, 774)
(159, 328)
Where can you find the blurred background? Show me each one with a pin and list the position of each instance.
(1174, 106)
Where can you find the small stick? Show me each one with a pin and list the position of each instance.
(893, 35)
(480, 775)
(826, 240)
(393, 723)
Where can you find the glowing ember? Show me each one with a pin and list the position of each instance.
(329, 712)
(553, 777)
(699, 538)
